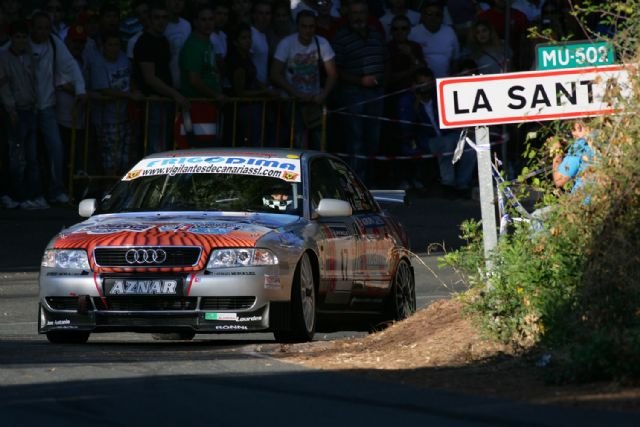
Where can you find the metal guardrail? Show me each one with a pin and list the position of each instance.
(79, 168)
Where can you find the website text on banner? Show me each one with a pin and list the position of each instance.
(532, 96)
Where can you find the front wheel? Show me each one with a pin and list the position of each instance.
(402, 300)
(68, 337)
(303, 305)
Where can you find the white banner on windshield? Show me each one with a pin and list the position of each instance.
(287, 169)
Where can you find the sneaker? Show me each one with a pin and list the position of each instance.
(33, 204)
(8, 203)
(61, 199)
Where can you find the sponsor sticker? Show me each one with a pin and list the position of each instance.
(144, 287)
(221, 316)
(284, 168)
(231, 328)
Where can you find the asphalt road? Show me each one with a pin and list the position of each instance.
(129, 379)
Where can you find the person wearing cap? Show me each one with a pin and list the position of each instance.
(18, 95)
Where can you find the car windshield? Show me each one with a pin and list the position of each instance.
(204, 192)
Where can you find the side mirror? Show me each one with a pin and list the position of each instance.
(333, 207)
(87, 207)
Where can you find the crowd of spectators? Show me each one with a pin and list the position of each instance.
(166, 73)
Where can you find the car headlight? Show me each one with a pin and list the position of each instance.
(72, 259)
(221, 258)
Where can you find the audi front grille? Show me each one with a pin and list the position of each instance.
(147, 256)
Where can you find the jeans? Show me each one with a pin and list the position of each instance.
(303, 137)
(47, 124)
(362, 135)
(159, 127)
(23, 154)
(460, 174)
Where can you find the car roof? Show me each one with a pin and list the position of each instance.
(239, 151)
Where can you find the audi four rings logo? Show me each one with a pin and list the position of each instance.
(145, 256)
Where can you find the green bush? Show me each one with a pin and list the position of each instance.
(572, 289)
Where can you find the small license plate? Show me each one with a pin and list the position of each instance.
(122, 287)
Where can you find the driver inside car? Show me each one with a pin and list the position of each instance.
(279, 198)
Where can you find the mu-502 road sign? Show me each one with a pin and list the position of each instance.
(532, 95)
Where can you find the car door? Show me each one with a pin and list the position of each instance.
(336, 237)
(374, 242)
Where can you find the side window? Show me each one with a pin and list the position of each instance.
(323, 182)
(353, 190)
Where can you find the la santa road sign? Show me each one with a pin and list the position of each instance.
(531, 95)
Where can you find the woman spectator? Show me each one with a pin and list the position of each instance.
(486, 49)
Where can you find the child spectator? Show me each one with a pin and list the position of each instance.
(18, 95)
(111, 77)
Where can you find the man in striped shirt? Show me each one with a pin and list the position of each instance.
(360, 58)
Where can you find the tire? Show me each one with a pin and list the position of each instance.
(174, 336)
(68, 337)
(402, 299)
(303, 305)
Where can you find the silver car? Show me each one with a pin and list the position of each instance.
(227, 240)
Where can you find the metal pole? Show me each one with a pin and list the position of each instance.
(487, 197)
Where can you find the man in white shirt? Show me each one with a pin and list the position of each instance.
(438, 41)
(177, 31)
(261, 19)
(398, 7)
(54, 67)
(296, 69)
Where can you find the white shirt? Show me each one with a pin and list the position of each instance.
(48, 77)
(176, 33)
(301, 62)
(219, 42)
(438, 48)
(260, 54)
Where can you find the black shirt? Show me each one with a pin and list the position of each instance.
(154, 49)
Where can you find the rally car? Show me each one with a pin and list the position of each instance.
(226, 241)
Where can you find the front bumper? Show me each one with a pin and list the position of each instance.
(228, 301)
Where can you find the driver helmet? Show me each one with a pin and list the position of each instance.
(279, 197)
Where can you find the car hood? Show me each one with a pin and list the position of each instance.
(206, 230)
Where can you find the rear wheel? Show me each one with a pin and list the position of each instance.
(402, 300)
(174, 336)
(68, 337)
(303, 305)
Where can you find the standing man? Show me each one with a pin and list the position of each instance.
(18, 96)
(177, 31)
(439, 42)
(200, 75)
(296, 69)
(152, 57)
(261, 20)
(54, 67)
(360, 58)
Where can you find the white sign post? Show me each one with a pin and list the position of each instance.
(522, 97)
